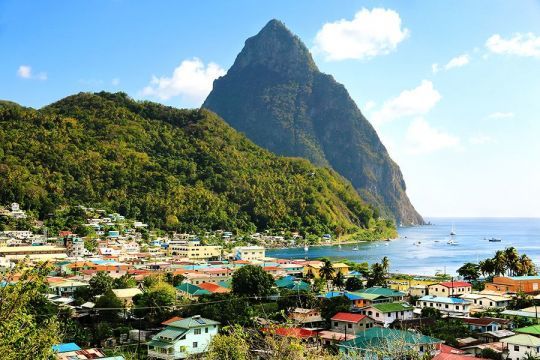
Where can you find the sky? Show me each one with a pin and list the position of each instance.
(452, 87)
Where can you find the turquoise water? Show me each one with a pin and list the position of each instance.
(431, 256)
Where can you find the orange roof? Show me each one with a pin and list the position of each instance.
(271, 268)
(213, 288)
(450, 284)
(299, 333)
(348, 317)
(173, 319)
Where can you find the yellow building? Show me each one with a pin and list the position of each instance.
(315, 267)
(41, 253)
(193, 250)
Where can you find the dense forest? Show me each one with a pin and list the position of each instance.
(183, 170)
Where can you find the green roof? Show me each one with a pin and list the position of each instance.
(383, 291)
(377, 337)
(522, 339)
(226, 284)
(284, 282)
(168, 335)
(191, 322)
(161, 344)
(391, 307)
(369, 296)
(533, 330)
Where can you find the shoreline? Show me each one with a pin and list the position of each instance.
(333, 243)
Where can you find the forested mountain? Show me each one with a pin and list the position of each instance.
(176, 169)
(275, 94)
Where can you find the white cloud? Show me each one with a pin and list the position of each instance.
(369, 105)
(481, 139)
(115, 81)
(422, 138)
(370, 33)
(455, 62)
(25, 72)
(519, 44)
(417, 101)
(501, 115)
(191, 80)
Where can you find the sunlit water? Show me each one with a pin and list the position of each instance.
(434, 254)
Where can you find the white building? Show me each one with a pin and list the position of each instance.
(521, 345)
(183, 338)
(446, 305)
(485, 301)
(387, 313)
(249, 253)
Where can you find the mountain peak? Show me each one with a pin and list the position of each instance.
(277, 49)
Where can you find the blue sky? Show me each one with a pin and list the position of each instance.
(464, 131)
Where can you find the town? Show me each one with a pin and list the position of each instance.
(121, 290)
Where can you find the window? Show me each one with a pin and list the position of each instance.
(516, 348)
(335, 323)
(421, 348)
(457, 307)
(206, 330)
(349, 326)
(376, 314)
(446, 306)
(195, 344)
(197, 331)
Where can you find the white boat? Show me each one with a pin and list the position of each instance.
(385, 244)
(355, 248)
(452, 242)
(452, 232)
(306, 248)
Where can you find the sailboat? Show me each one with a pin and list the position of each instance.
(452, 232)
(306, 247)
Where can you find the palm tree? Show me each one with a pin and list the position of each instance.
(339, 281)
(499, 263)
(525, 266)
(385, 264)
(327, 271)
(487, 267)
(376, 276)
(512, 259)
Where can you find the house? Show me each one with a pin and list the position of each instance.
(515, 284)
(306, 335)
(387, 313)
(65, 287)
(350, 323)
(483, 302)
(482, 325)
(328, 337)
(214, 288)
(249, 253)
(355, 299)
(519, 346)
(391, 340)
(450, 288)
(447, 305)
(306, 317)
(314, 268)
(533, 330)
(418, 290)
(183, 338)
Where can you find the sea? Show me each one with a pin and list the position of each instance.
(424, 250)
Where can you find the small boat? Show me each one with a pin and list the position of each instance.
(355, 248)
(417, 243)
(339, 246)
(494, 240)
(436, 240)
(385, 244)
(452, 232)
(452, 242)
(388, 239)
(306, 248)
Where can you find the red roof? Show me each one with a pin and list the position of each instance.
(348, 317)
(450, 284)
(299, 333)
(480, 321)
(449, 350)
(271, 268)
(173, 319)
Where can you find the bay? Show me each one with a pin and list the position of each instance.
(434, 254)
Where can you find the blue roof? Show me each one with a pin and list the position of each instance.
(445, 300)
(527, 277)
(62, 348)
(348, 295)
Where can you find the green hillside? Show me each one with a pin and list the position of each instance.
(183, 170)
